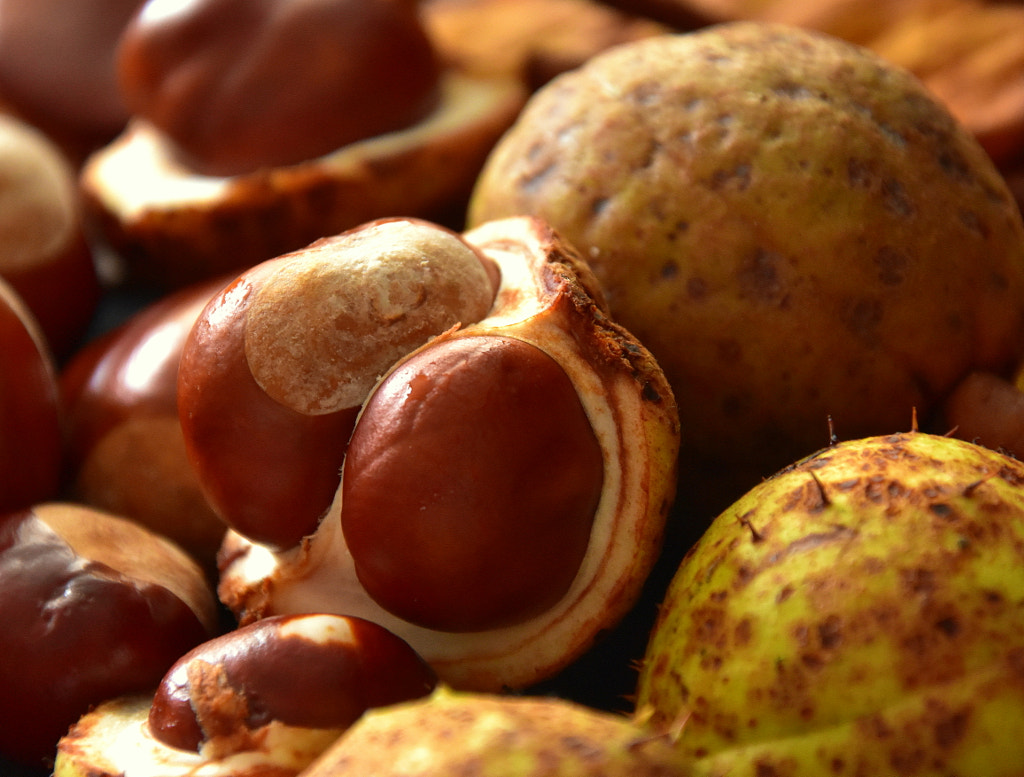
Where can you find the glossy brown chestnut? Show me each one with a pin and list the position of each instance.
(264, 700)
(44, 253)
(93, 607)
(308, 671)
(31, 434)
(277, 366)
(471, 484)
(126, 452)
(237, 85)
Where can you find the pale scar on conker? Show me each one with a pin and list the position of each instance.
(322, 329)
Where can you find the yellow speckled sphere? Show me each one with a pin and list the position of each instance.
(858, 613)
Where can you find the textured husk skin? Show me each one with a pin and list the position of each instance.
(795, 228)
(471, 734)
(861, 612)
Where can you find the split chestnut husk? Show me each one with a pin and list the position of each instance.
(505, 489)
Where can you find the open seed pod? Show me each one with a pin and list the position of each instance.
(263, 700)
(505, 488)
(172, 225)
(259, 127)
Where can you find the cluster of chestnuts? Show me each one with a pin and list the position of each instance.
(298, 476)
(441, 441)
(352, 444)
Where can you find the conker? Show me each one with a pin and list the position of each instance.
(988, 409)
(266, 699)
(470, 485)
(308, 671)
(31, 433)
(238, 85)
(506, 487)
(44, 253)
(93, 607)
(279, 363)
(171, 225)
(57, 66)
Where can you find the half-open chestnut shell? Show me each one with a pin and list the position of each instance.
(549, 307)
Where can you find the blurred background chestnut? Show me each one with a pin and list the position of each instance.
(126, 451)
(31, 444)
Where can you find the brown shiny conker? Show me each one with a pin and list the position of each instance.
(57, 66)
(238, 85)
(277, 366)
(93, 606)
(470, 485)
(311, 671)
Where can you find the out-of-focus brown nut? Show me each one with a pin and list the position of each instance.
(264, 699)
(529, 39)
(855, 20)
(678, 14)
(236, 86)
(57, 67)
(279, 363)
(988, 409)
(506, 487)
(44, 253)
(170, 224)
(125, 450)
(93, 607)
(1013, 171)
(31, 420)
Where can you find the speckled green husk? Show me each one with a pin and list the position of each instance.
(862, 612)
(481, 735)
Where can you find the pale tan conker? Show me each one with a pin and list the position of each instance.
(321, 330)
